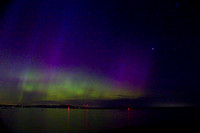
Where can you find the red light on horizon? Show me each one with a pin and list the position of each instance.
(128, 109)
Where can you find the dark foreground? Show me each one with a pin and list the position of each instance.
(99, 120)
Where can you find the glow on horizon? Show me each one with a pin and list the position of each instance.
(69, 86)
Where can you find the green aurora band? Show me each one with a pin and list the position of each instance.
(62, 86)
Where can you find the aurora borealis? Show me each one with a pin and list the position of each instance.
(72, 86)
(52, 84)
(76, 50)
(53, 51)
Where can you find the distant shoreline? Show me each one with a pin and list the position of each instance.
(5, 106)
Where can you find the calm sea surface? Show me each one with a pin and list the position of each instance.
(91, 120)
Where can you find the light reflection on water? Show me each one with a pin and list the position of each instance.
(96, 120)
(69, 120)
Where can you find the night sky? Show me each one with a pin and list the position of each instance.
(106, 53)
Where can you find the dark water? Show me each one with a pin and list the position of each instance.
(96, 120)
